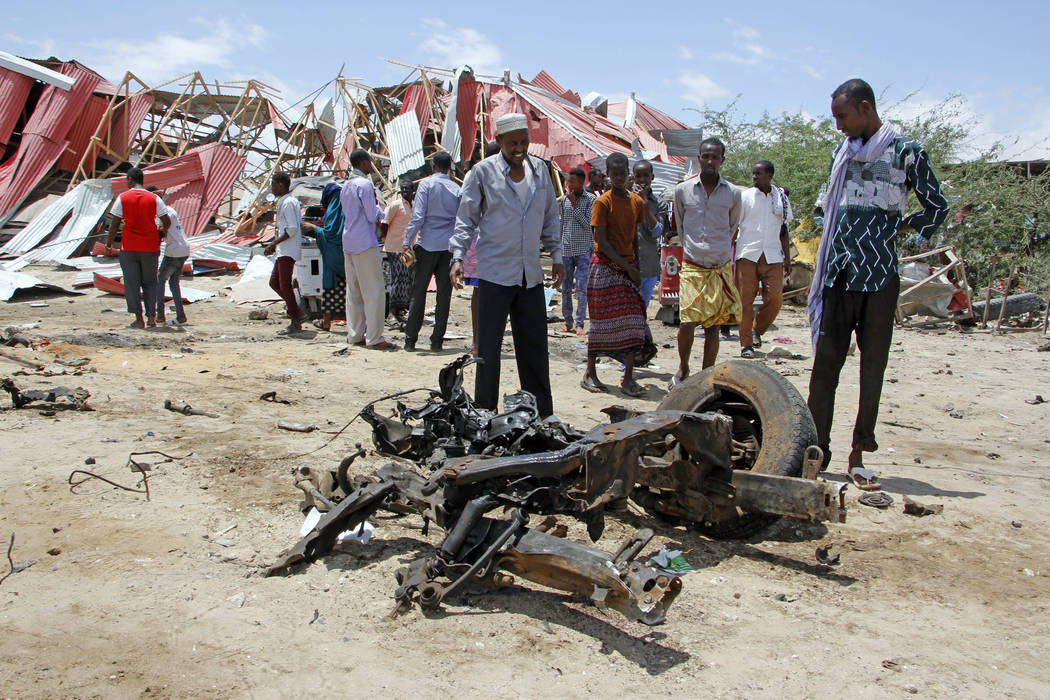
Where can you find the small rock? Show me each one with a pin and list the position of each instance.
(911, 689)
(89, 460)
(917, 460)
(1016, 523)
(955, 414)
(258, 315)
(993, 455)
(913, 507)
(54, 551)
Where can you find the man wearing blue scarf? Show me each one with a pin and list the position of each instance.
(329, 242)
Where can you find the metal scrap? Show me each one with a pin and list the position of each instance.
(186, 409)
(457, 465)
(57, 398)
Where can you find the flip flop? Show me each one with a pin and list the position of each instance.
(592, 385)
(864, 479)
(748, 353)
(675, 381)
(383, 345)
(634, 389)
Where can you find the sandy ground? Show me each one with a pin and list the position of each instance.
(133, 598)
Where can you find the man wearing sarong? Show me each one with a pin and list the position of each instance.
(706, 211)
(618, 327)
(329, 235)
(856, 278)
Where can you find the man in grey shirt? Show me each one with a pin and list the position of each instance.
(509, 200)
(706, 212)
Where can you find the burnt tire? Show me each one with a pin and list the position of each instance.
(1016, 304)
(778, 413)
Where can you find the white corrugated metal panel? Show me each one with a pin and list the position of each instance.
(41, 226)
(91, 199)
(223, 252)
(25, 67)
(405, 144)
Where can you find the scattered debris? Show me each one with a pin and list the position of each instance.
(1036, 401)
(10, 562)
(296, 427)
(136, 466)
(901, 425)
(1016, 523)
(892, 664)
(786, 597)
(1045, 347)
(955, 413)
(876, 499)
(186, 409)
(785, 354)
(272, 397)
(55, 399)
(824, 555)
(913, 507)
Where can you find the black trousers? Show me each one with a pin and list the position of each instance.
(429, 264)
(870, 315)
(528, 324)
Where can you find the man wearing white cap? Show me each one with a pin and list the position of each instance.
(508, 198)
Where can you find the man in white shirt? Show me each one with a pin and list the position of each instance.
(176, 251)
(762, 257)
(288, 246)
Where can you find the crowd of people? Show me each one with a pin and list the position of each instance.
(604, 238)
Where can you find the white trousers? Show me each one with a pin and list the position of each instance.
(365, 296)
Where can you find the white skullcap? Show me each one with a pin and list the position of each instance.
(511, 122)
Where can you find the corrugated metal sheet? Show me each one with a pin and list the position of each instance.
(14, 89)
(226, 253)
(546, 81)
(79, 136)
(406, 147)
(257, 110)
(41, 226)
(90, 200)
(194, 183)
(44, 137)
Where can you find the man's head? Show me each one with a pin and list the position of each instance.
(762, 175)
(442, 162)
(617, 167)
(280, 184)
(712, 155)
(853, 106)
(156, 190)
(134, 177)
(643, 175)
(491, 148)
(361, 160)
(597, 178)
(407, 190)
(574, 183)
(512, 133)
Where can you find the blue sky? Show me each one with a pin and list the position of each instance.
(777, 56)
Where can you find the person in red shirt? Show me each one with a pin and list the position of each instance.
(138, 211)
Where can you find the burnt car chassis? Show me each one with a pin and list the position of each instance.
(718, 467)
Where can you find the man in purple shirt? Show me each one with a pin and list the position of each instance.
(433, 220)
(365, 293)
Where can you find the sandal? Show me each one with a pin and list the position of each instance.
(748, 353)
(633, 389)
(864, 479)
(592, 385)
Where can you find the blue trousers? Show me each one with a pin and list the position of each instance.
(576, 269)
(647, 287)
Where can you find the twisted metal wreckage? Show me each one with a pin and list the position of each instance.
(723, 453)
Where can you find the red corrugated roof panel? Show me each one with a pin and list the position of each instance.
(14, 89)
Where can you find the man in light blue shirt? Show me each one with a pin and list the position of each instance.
(433, 220)
(365, 292)
(508, 199)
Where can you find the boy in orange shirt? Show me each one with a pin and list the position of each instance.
(618, 327)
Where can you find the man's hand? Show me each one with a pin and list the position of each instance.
(787, 267)
(307, 226)
(557, 274)
(455, 274)
(270, 249)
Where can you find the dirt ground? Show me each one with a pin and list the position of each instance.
(160, 598)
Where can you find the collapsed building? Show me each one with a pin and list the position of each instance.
(67, 135)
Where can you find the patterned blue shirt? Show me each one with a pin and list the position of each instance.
(872, 209)
(577, 238)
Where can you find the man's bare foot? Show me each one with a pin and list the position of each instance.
(591, 384)
(632, 388)
(136, 324)
(151, 321)
(181, 319)
(161, 318)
